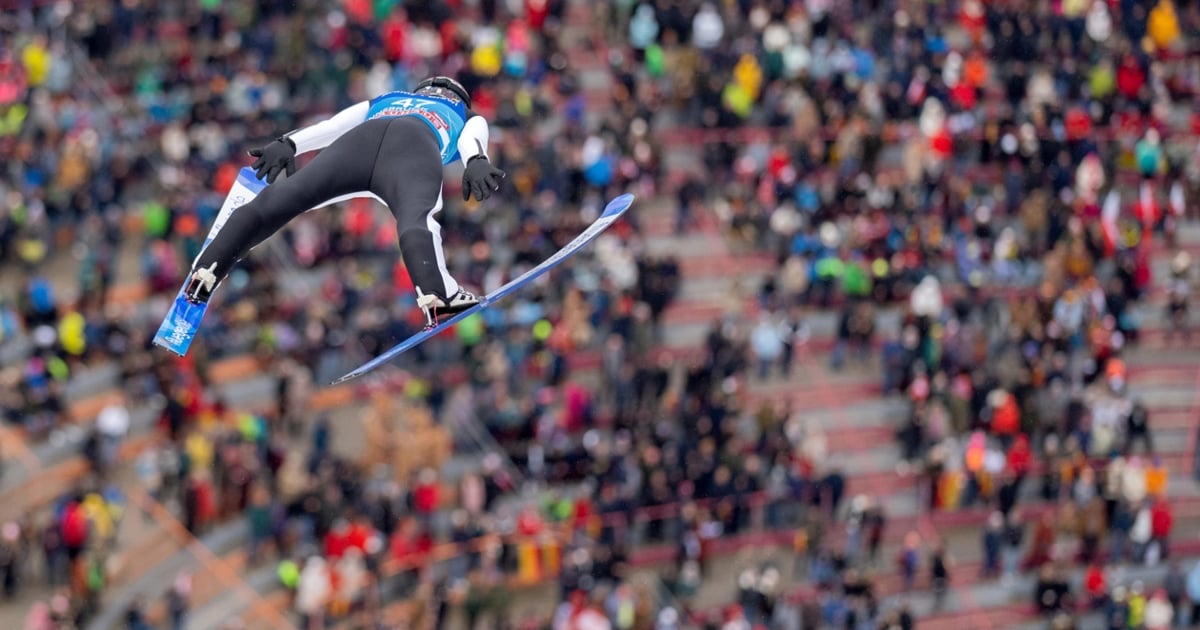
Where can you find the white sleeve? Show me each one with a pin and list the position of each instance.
(473, 140)
(322, 134)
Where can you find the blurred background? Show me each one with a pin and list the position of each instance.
(896, 335)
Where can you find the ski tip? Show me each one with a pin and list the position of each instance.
(619, 204)
(346, 377)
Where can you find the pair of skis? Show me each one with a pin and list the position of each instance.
(182, 320)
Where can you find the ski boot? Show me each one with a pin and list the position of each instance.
(182, 320)
(433, 305)
(201, 284)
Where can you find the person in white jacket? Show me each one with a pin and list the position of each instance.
(1159, 612)
(313, 592)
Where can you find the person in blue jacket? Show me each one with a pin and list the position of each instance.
(392, 147)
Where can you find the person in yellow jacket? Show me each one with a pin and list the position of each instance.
(36, 59)
(199, 450)
(1162, 26)
(1137, 604)
(103, 526)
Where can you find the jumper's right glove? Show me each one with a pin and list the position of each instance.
(481, 178)
(274, 159)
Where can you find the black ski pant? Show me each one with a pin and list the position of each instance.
(397, 159)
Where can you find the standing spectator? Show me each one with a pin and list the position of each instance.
(1175, 585)
(1014, 534)
(73, 524)
(113, 425)
(313, 593)
(179, 600)
(993, 544)
(1043, 543)
(10, 559)
(1095, 586)
(939, 574)
(909, 559)
(1179, 291)
(1117, 615)
(426, 494)
(1141, 533)
(261, 521)
(1052, 591)
(874, 523)
(1137, 428)
(1193, 594)
(1161, 522)
(54, 555)
(1137, 604)
(768, 343)
(1159, 612)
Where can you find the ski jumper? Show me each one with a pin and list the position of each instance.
(392, 147)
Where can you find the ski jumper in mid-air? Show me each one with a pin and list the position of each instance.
(392, 147)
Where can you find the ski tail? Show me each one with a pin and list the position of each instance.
(178, 328)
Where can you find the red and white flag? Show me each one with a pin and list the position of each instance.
(1148, 211)
(1176, 200)
(1108, 221)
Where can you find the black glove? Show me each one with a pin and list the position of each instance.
(480, 178)
(274, 158)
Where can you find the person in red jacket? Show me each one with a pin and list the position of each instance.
(1161, 521)
(1095, 584)
(426, 494)
(337, 540)
(1006, 417)
(360, 533)
(1020, 457)
(74, 529)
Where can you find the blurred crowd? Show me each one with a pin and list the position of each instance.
(67, 550)
(934, 156)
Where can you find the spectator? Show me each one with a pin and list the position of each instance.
(1179, 291)
(313, 592)
(1137, 428)
(1053, 593)
(11, 561)
(1042, 547)
(908, 560)
(1095, 585)
(768, 344)
(1161, 522)
(113, 425)
(1193, 593)
(939, 574)
(1137, 604)
(1175, 586)
(1159, 613)
(993, 543)
(1118, 614)
(178, 600)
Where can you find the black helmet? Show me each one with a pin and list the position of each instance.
(445, 87)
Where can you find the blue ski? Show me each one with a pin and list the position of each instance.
(612, 212)
(181, 322)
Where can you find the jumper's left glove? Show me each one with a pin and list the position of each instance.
(481, 178)
(275, 158)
